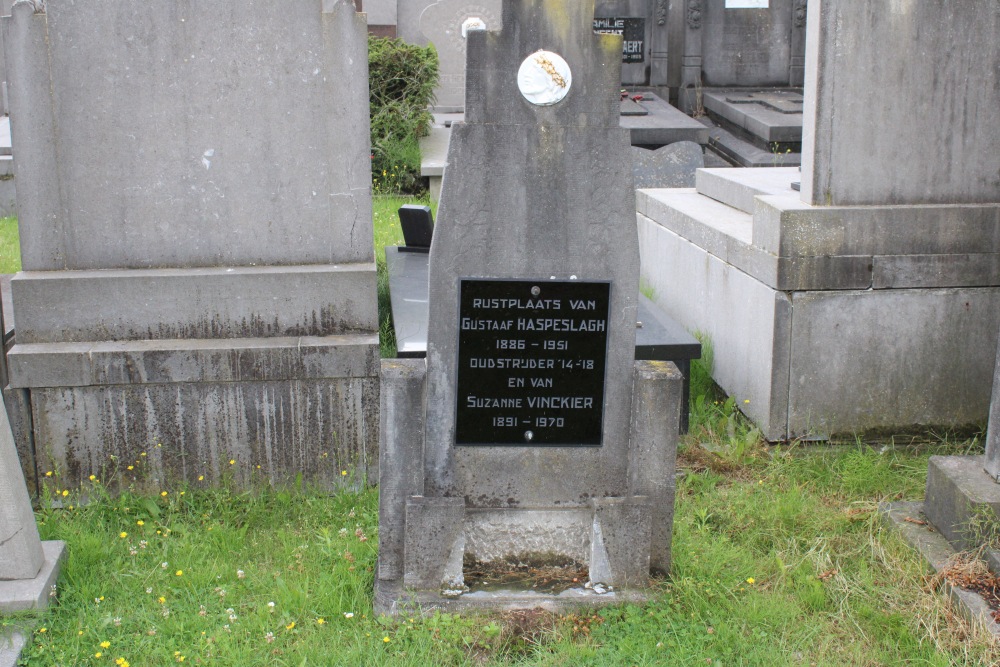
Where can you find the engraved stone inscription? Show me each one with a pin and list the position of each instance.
(531, 362)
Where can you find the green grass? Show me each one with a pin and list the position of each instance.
(10, 246)
(779, 557)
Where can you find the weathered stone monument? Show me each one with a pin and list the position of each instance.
(530, 435)
(29, 567)
(195, 219)
(446, 25)
(870, 300)
(744, 43)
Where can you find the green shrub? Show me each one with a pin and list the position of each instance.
(401, 83)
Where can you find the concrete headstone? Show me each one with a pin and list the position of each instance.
(900, 133)
(195, 220)
(537, 205)
(441, 24)
(28, 567)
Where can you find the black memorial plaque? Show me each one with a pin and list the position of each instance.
(531, 362)
(633, 32)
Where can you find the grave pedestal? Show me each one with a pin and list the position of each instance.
(870, 300)
(199, 281)
(423, 541)
(829, 320)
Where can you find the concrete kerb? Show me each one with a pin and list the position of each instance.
(909, 520)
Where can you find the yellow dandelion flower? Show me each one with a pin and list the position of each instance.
(140, 522)
(131, 467)
(290, 626)
(386, 640)
(48, 473)
(320, 621)
(123, 534)
(98, 654)
(43, 630)
(65, 493)
(179, 573)
(232, 462)
(750, 580)
(201, 478)
(142, 454)
(161, 599)
(93, 477)
(105, 644)
(343, 473)
(163, 493)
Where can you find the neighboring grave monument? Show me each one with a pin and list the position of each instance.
(530, 435)
(870, 301)
(446, 25)
(744, 43)
(194, 207)
(28, 567)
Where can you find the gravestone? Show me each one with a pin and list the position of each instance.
(882, 273)
(643, 27)
(28, 567)
(446, 24)
(530, 435)
(670, 166)
(738, 43)
(194, 206)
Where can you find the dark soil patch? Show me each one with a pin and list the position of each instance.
(972, 574)
(544, 574)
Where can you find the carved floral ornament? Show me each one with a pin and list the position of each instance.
(694, 14)
(37, 6)
(799, 13)
(544, 78)
(661, 12)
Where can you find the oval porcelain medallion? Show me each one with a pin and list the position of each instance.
(544, 78)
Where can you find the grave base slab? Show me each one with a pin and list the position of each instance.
(829, 320)
(392, 599)
(908, 518)
(23, 594)
(963, 503)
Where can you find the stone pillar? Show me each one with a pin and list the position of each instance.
(689, 95)
(993, 430)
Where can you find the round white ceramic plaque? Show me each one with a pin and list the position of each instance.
(544, 78)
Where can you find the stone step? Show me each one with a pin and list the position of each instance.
(727, 233)
(214, 302)
(700, 219)
(738, 187)
(102, 363)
